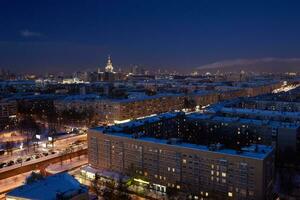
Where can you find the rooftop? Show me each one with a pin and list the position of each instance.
(253, 151)
(49, 188)
(259, 122)
(258, 112)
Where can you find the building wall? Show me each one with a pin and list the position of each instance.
(196, 171)
(110, 110)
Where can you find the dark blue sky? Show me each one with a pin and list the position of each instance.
(67, 35)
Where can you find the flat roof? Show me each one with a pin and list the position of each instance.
(251, 121)
(261, 152)
(261, 112)
(48, 188)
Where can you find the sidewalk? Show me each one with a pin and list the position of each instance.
(67, 165)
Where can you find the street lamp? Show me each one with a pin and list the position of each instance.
(38, 137)
(50, 139)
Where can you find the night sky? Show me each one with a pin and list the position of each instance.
(68, 35)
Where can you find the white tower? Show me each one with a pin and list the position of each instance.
(109, 67)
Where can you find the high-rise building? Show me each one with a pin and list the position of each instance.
(109, 67)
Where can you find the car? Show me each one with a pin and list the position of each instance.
(10, 163)
(28, 159)
(19, 160)
(39, 154)
(3, 165)
(45, 154)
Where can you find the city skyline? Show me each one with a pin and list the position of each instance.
(168, 100)
(58, 36)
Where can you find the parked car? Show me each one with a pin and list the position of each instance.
(10, 163)
(45, 154)
(2, 152)
(3, 165)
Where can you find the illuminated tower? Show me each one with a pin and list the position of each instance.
(109, 67)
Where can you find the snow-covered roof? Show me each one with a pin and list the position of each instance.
(48, 188)
(253, 151)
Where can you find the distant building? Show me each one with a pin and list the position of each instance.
(60, 186)
(109, 110)
(109, 74)
(109, 67)
(8, 111)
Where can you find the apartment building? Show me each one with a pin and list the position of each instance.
(8, 112)
(7, 109)
(165, 161)
(115, 110)
(279, 134)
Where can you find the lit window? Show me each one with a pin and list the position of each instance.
(173, 169)
(217, 173)
(178, 187)
(212, 166)
(230, 194)
(212, 172)
(223, 174)
(184, 161)
(169, 169)
(206, 194)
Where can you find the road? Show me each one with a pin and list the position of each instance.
(67, 165)
(59, 145)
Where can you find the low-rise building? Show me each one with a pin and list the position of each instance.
(59, 186)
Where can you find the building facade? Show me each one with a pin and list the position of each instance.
(164, 163)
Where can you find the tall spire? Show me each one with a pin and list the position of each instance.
(109, 67)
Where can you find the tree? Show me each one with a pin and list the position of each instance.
(33, 177)
(172, 193)
(9, 145)
(189, 103)
(150, 92)
(110, 190)
(95, 185)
